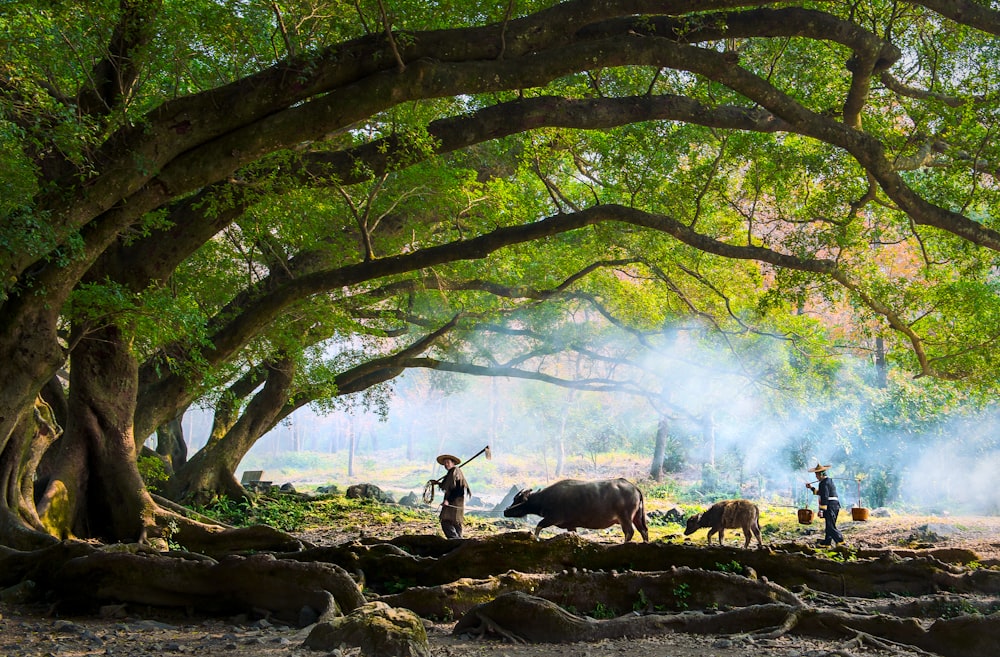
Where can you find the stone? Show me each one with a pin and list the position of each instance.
(410, 499)
(368, 491)
(377, 629)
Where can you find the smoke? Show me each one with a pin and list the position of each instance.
(753, 424)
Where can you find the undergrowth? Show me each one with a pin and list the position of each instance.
(296, 513)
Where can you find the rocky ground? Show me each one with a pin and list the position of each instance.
(32, 631)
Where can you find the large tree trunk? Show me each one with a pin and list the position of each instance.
(210, 472)
(20, 525)
(31, 355)
(95, 489)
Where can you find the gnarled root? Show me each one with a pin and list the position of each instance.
(292, 591)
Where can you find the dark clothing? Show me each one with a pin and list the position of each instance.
(829, 506)
(827, 492)
(455, 489)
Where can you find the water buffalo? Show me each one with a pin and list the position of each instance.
(728, 514)
(589, 504)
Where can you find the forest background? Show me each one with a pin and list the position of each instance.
(713, 234)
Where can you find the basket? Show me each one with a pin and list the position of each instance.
(859, 513)
(805, 516)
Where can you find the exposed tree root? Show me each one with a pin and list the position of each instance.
(540, 621)
(862, 638)
(481, 579)
(487, 626)
(196, 533)
(677, 588)
(433, 563)
(79, 576)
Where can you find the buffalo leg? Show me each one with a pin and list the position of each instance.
(542, 525)
(639, 520)
(626, 524)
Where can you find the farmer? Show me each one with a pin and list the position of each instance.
(829, 505)
(455, 488)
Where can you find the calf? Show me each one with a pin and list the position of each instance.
(728, 514)
(589, 504)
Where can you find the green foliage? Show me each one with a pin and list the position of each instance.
(731, 567)
(882, 487)
(675, 456)
(681, 593)
(718, 482)
(399, 584)
(641, 603)
(285, 512)
(278, 263)
(669, 489)
(154, 473)
(602, 611)
(844, 555)
(169, 532)
(953, 608)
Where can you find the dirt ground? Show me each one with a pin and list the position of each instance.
(31, 631)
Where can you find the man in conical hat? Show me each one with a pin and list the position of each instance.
(829, 505)
(455, 488)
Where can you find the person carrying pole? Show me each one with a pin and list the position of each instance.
(829, 505)
(455, 488)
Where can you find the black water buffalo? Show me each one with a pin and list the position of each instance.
(728, 514)
(589, 504)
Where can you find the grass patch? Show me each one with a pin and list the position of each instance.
(296, 513)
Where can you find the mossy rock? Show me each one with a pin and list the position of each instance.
(377, 629)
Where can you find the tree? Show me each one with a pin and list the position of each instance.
(189, 188)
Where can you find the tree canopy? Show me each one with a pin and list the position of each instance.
(259, 205)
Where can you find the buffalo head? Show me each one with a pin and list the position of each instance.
(516, 510)
(693, 524)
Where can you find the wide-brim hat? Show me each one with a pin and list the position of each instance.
(819, 468)
(441, 459)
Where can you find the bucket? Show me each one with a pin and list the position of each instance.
(859, 513)
(805, 516)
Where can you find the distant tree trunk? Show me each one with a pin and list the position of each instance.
(296, 437)
(351, 441)
(170, 442)
(95, 489)
(211, 472)
(881, 367)
(660, 448)
(708, 429)
(337, 435)
(492, 429)
(561, 441)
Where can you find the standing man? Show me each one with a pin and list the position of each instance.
(455, 488)
(829, 505)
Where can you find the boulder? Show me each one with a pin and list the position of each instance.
(377, 629)
(370, 491)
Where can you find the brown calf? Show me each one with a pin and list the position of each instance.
(728, 514)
